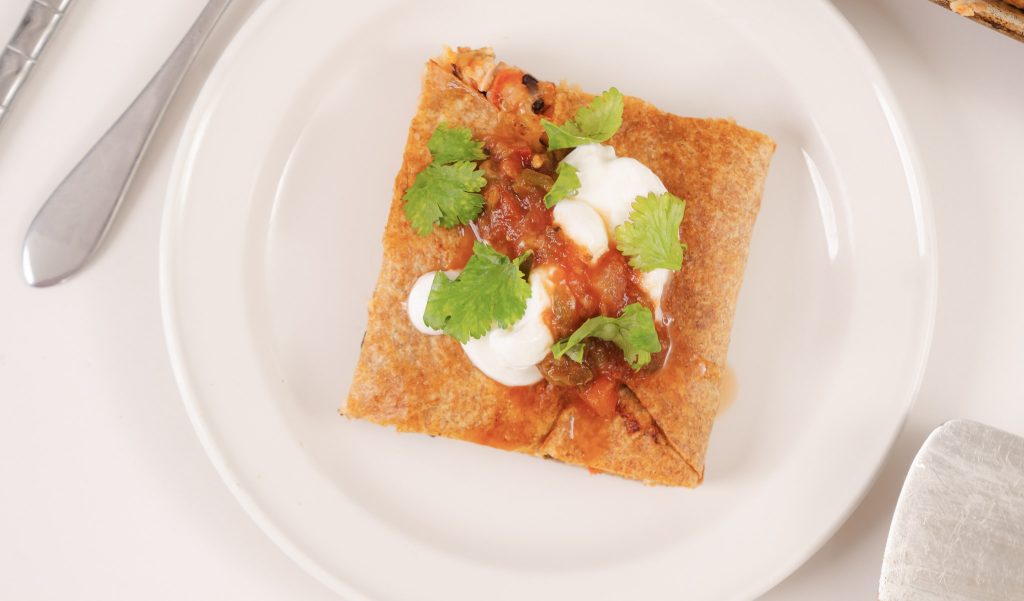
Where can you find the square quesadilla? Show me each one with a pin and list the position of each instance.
(560, 272)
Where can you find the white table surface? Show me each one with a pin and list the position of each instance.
(105, 492)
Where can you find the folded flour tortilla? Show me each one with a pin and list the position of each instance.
(660, 428)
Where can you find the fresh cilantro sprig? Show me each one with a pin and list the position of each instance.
(444, 194)
(633, 332)
(595, 122)
(452, 144)
(447, 191)
(651, 236)
(491, 290)
(566, 186)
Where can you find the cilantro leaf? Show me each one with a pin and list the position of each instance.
(651, 236)
(491, 290)
(445, 194)
(576, 352)
(567, 184)
(451, 144)
(595, 122)
(633, 332)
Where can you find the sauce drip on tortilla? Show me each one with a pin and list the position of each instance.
(517, 416)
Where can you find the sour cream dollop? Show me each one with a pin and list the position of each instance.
(416, 305)
(653, 282)
(608, 187)
(583, 225)
(609, 183)
(510, 356)
(506, 355)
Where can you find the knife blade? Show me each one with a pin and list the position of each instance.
(958, 530)
(22, 52)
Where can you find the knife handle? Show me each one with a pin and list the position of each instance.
(21, 53)
(74, 219)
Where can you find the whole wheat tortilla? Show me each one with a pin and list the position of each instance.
(659, 433)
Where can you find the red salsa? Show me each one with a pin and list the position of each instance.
(515, 220)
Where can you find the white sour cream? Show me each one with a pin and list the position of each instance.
(608, 187)
(416, 305)
(653, 282)
(583, 225)
(610, 184)
(510, 355)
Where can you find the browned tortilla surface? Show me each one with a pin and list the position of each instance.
(662, 424)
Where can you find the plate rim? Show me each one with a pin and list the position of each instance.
(180, 176)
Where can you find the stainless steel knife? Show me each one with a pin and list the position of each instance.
(958, 530)
(73, 221)
(21, 53)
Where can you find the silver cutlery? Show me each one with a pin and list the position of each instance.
(958, 530)
(71, 224)
(26, 45)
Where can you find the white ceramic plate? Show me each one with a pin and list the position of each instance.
(270, 251)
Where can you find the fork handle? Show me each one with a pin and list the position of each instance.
(23, 50)
(72, 222)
